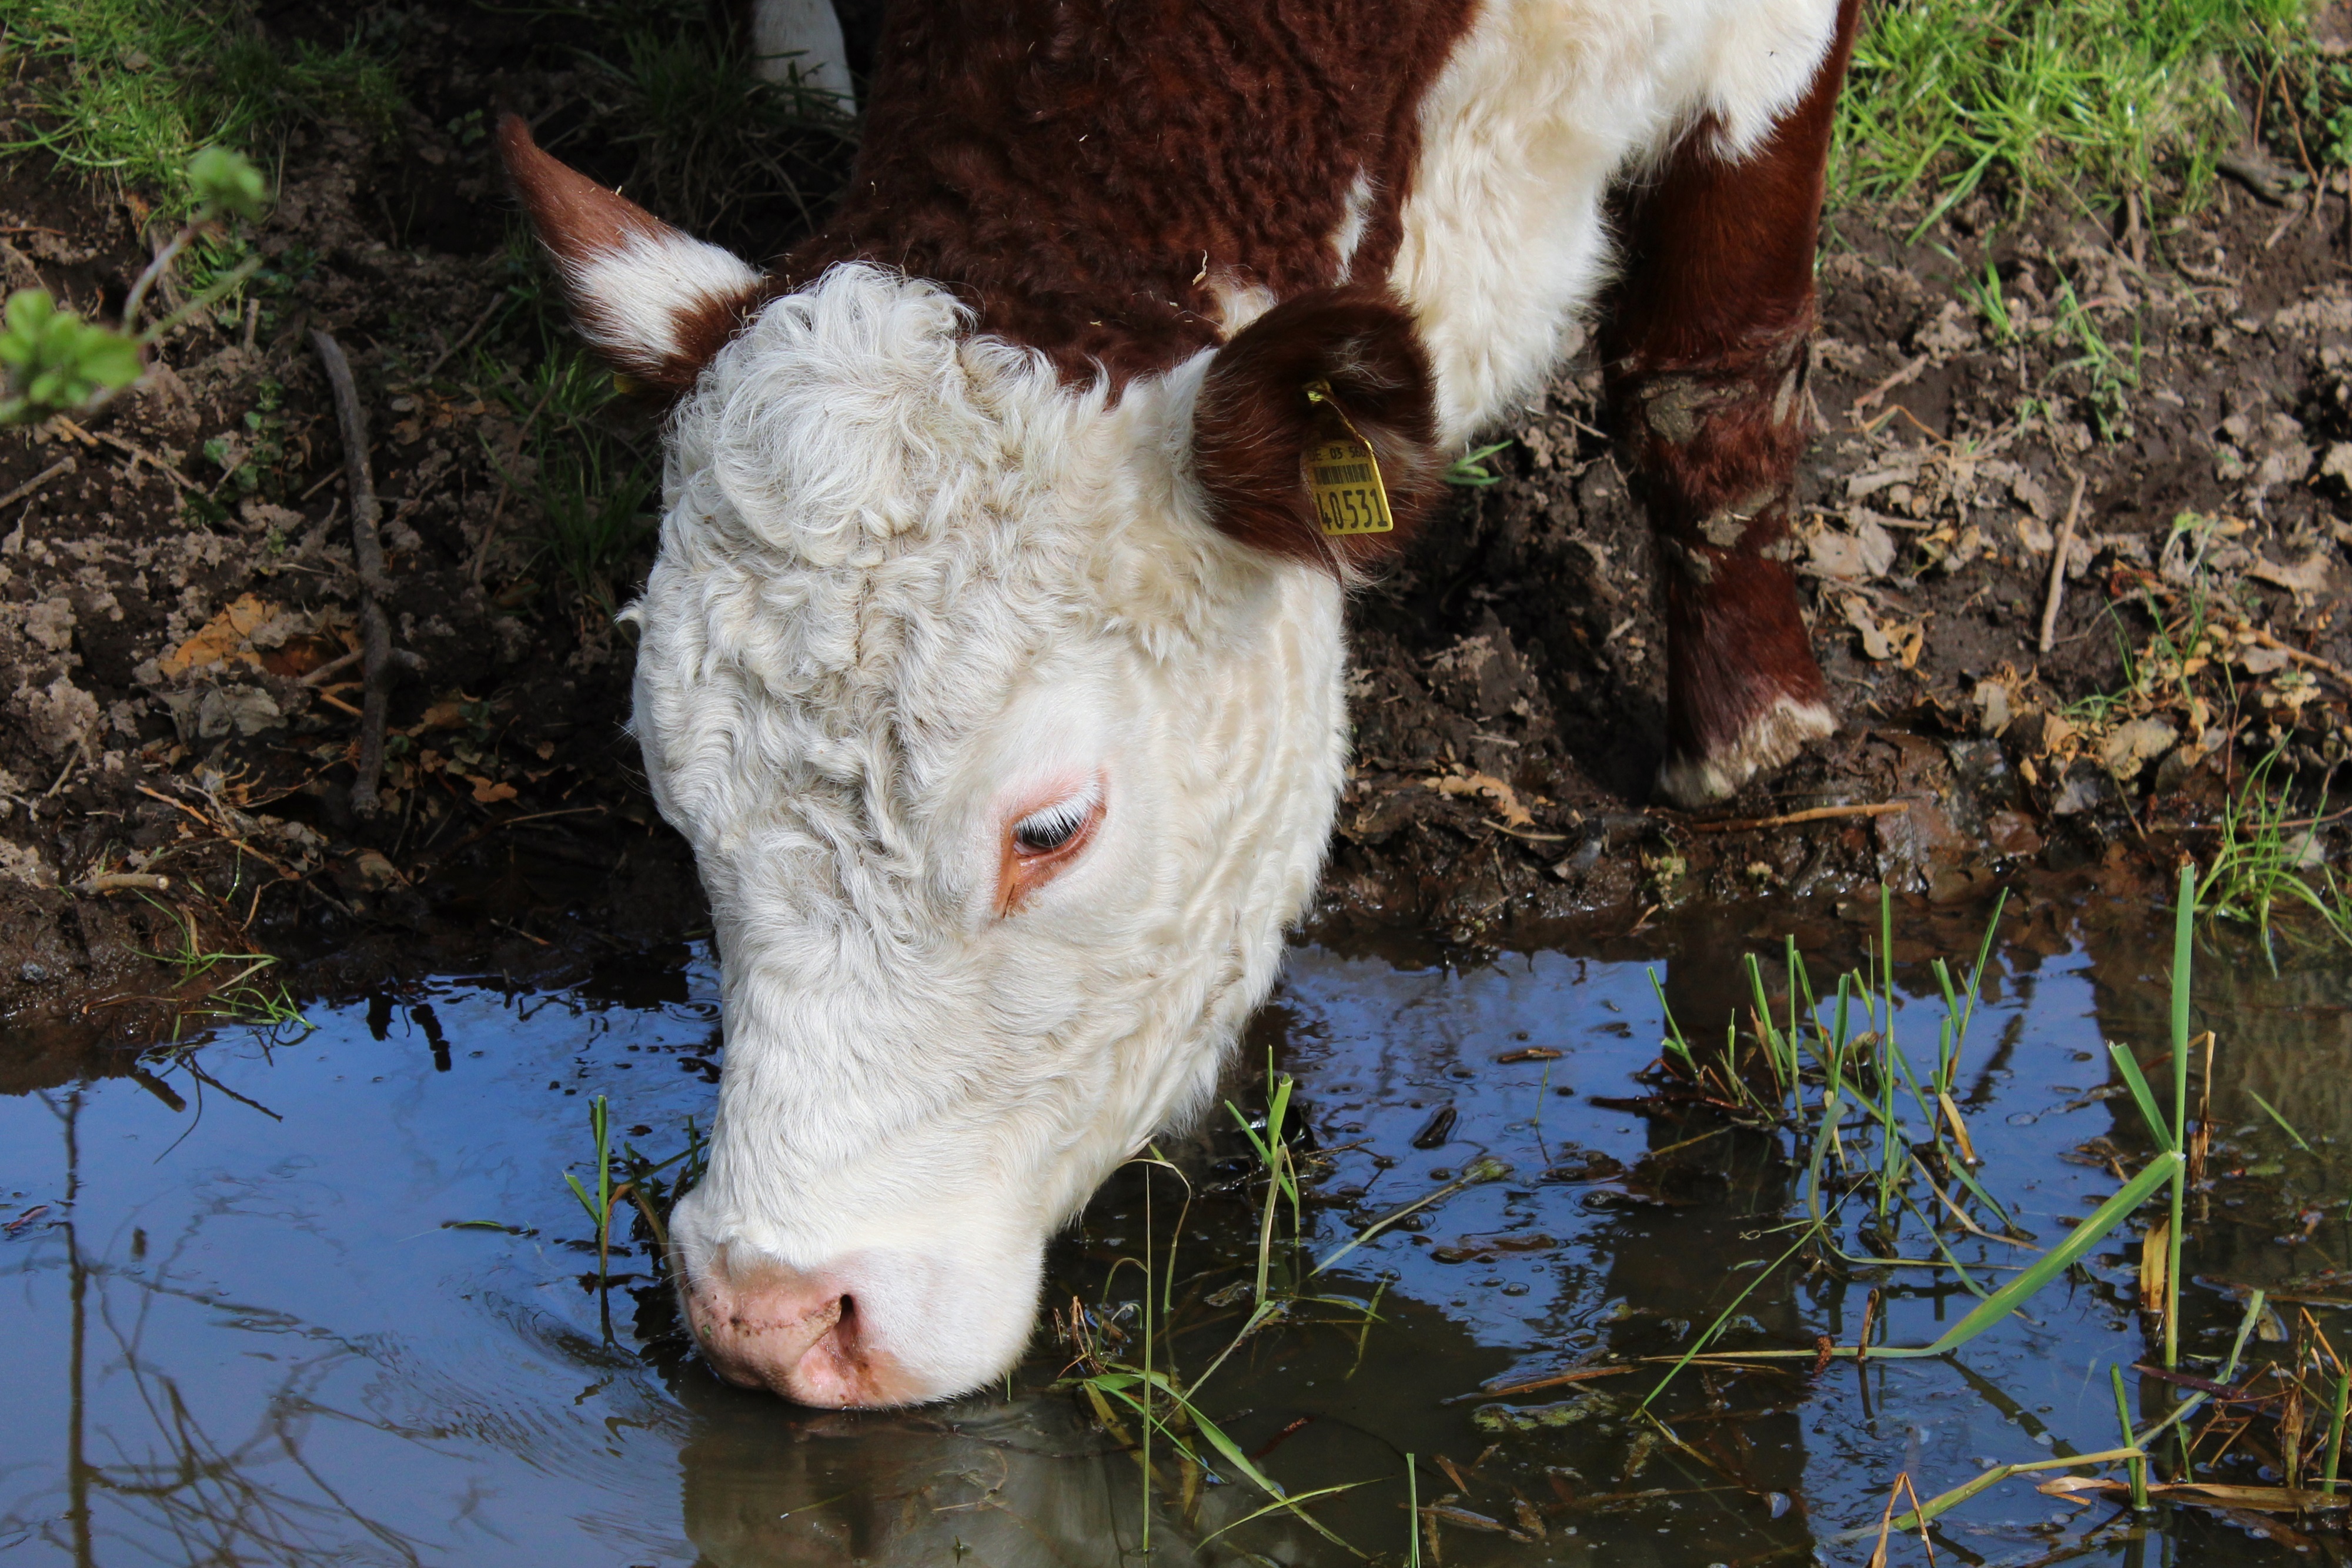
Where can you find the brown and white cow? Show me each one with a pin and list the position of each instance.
(993, 662)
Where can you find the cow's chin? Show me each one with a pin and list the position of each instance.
(866, 1330)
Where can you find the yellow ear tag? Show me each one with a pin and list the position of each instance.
(1342, 474)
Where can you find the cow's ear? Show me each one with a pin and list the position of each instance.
(656, 303)
(1336, 364)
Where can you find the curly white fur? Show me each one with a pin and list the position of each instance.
(909, 581)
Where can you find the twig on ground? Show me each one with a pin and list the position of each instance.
(227, 834)
(81, 749)
(138, 453)
(122, 881)
(65, 465)
(1812, 814)
(2342, 675)
(331, 667)
(1908, 373)
(1529, 1386)
(377, 658)
(2059, 550)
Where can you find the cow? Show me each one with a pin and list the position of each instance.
(993, 660)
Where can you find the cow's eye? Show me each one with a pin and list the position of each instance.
(1043, 832)
(1038, 847)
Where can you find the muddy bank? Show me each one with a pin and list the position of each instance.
(178, 597)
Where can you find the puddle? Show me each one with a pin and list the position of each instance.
(241, 1327)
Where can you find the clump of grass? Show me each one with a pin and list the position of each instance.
(2121, 96)
(718, 147)
(137, 88)
(2269, 861)
(715, 142)
(1842, 1110)
(239, 997)
(594, 490)
(595, 517)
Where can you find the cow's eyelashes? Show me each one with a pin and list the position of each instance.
(1038, 847)
(1056, 826)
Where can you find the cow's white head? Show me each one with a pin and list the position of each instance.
(1005, 719)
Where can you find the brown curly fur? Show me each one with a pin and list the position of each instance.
(1252, 422)
(1074, 169)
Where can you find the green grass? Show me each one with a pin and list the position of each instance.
(718, 147)
(595, 491)
(2113, 97)
(136, 89)
(240, 998)
(2270, 861)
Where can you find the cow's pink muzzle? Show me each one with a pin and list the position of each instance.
(798, 1334)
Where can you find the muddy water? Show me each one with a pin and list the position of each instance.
(246, 1317)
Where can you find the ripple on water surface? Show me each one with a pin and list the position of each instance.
(245, 1324)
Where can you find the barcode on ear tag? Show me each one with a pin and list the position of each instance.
(1345, 482)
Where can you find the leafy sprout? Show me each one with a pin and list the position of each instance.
(54, 361)
(225, 184)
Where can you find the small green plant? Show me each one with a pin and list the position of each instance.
(2268, 861)
(240, 998)
(1984, 297)
(1854, 1119)
(2113, 373)
(252, 460)
(1470, 469)
(52, 361)
(639, 1181)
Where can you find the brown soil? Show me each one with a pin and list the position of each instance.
(162, 599)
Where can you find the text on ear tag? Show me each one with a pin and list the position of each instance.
(1343, 477)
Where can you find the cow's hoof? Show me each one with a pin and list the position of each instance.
(1771, 738)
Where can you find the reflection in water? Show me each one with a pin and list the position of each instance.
(253, 1498)
(240, 1340)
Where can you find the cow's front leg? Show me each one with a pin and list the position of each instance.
(1704, 350)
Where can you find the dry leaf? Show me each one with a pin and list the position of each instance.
(486, 792)
(441, 716)
(2130, 746)
(1506, 798)
(1866, 552)
(2155, 1266)
(1994, 705)
(222, 639)
(2309, 577)
(1897, 640)
(2262, 1500)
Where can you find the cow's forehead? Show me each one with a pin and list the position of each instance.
(862, 410)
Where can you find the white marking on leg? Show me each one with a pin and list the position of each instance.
(1772, 737)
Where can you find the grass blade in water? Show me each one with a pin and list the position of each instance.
(2058, 1260)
